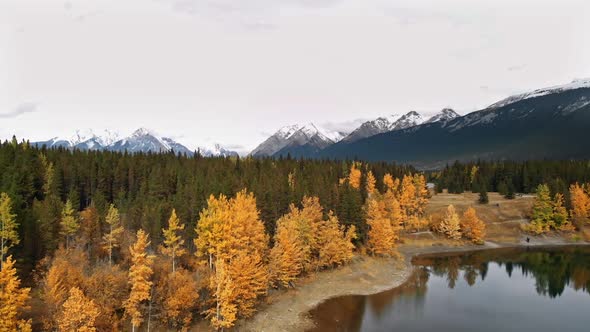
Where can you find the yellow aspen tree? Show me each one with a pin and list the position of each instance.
(580, 201)
(354, 176)
(140, 274)
(69, 224)
(13, 299)
(286, 256)
(246, 231)
(393, 210)
(335, 242)
(407, 198)
(308, 223)
(108, 287)
(450, 225)
(250, 279)
(382, 238)
(389, 182)
(212, 226)
(8, 227)
(173, 242)
(79, 313)
(112, 238)
(472, 227)
(180, 294)
(421, 194)
(560, 215)
(370, 187)
(225, 312)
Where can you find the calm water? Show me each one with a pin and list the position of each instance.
(497, 290)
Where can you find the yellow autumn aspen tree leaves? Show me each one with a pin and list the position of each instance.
(79, 313)
(472, 227)
(13, 299)
(69, 224)
(112, 238)
(354, 177)
(140, 274)
(580, 201)
(381, 240)
(173, 242)
(451, 225)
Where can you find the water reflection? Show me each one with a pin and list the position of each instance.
(461, 292)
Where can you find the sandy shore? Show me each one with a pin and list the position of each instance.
(288, 311)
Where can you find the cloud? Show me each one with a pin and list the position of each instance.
(20, 110)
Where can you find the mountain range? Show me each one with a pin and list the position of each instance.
(548, 123)
(307, 140)
(141, 140)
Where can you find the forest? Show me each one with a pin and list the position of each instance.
(101, 241)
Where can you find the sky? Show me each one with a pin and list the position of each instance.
(234, 71)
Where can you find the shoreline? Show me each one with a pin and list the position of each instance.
(288, 310)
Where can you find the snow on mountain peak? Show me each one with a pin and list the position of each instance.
(575, 84)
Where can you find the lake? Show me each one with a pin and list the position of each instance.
(525, 289)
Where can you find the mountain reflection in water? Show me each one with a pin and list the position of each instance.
(540, 289)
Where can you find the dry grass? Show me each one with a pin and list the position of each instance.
(503, 217)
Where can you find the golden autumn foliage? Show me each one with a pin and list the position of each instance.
(108, 287)
(472, 227)
(407, 196)
(69, 224)
(65, 272)
(78, 313)
(334, 242)
(13, 299)
(179, 294)
(370, 187)
(421, 194)
(112, 238)
(389, 183)
(393, 211)
(287, 256)
(140, 274)
(231, 233)
(580, 201)
(90, 230)
(382, 237)
(354, 176)
(450, 225)
(173, 242)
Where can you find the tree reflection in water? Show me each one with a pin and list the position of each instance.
(552, 269)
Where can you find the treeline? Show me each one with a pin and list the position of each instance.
(108, 260)
(509, 177)
(146, 187)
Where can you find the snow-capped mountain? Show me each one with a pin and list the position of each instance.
(575, 84)
(549, 123)
(295, 136)
(445, 115)
(141, 140)
(385, 124)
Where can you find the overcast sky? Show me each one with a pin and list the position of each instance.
(234, 71)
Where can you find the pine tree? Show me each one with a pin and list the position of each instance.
(382, 237)
(450, 225)
(69, 224)
(13, 299)
(79, 313)
(472, 227)
(112, 238)
(173, 242)
(8, 227)
(483, 196)
(140, 274)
